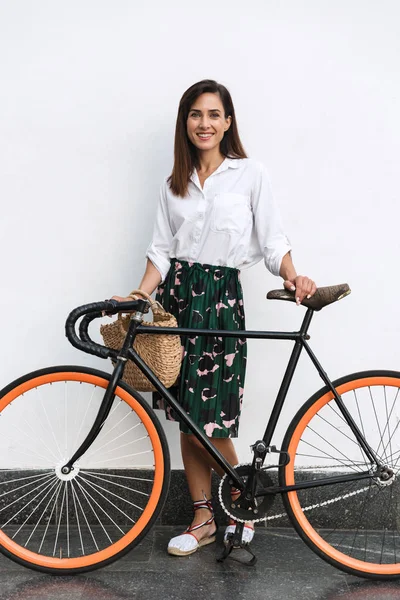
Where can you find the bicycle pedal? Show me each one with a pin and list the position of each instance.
(234, 541)
(228, 552)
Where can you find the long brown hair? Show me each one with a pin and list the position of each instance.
(185, 153)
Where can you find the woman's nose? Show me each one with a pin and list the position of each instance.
(204, 123)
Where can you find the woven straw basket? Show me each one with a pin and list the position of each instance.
(162, 353)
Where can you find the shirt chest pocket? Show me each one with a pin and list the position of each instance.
(231, 213)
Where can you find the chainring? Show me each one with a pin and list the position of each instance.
(234, 509)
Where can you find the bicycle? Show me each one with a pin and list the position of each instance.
(87, 466)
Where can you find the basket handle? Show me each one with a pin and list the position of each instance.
(156, 307)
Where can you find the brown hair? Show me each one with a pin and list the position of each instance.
(185, 153)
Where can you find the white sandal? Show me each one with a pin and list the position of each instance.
(187, 542)
(247, 535)
(248, 530)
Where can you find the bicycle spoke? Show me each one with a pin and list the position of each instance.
(118, 447)
(35, 508)
(86, 520)
(49, 424)
(117, 484)
(94, 487)
(119, 476)
(359, 414)
(356, 443)
(376, 417)
(330, 532)
(83, 420)
(50, 517)
(103, 461)
(99, 487)
(340, 461)
(33, 440)
(59, 520)
(387, 423)
(87, 495)
(106, 433)
(67, 515)
(34, 437)
(77, 519)
(46, 484)
(13, 490)
(398, 451)
(329, 443)
(343, 463)
(8, 481)
(56, 486)
(66, 416)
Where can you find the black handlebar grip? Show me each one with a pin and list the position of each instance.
(84, 325)
(87, 345)
(93, 311)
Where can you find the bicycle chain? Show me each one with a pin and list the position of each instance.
(284, 514)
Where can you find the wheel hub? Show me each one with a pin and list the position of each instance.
(385, 476)
(66, 476)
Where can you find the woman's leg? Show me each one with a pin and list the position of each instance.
(198, 468)
(198, 475)
(192, 448)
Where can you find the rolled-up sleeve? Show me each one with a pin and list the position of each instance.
(272, 240)
(159, 249)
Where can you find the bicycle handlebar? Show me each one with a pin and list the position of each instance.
(93, 311)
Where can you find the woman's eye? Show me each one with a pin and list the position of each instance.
(213, 115)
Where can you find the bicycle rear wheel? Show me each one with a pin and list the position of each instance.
(353, 525)
(84, 520)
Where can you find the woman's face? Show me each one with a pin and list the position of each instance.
(206, 122)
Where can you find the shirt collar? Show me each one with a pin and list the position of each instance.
(227, 163)
(233, 163)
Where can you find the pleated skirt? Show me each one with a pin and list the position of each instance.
(211, 381)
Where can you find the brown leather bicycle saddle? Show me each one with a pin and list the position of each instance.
(322, 297)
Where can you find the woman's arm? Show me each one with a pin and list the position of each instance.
(151, 278)
(272, 240)
(158, 251)
(304, 286)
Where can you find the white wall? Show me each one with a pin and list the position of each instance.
(89, 97)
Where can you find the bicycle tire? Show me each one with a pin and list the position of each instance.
(97, 515)
(362, 538)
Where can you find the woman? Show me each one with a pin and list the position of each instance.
(215, 216)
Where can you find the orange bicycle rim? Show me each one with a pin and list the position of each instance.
(131, 535)
(310, 532)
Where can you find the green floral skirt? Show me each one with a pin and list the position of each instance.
(211, 381)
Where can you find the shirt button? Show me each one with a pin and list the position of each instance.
(201, 215)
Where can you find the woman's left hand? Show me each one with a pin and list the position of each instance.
(304, 287)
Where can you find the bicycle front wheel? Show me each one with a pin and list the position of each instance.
(353, 525)
(77, 522)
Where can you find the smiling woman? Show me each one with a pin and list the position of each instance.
(206, 122)
(216, 216)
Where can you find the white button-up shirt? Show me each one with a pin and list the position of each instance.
(232, 221)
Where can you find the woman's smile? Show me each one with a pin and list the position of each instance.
(205, 136)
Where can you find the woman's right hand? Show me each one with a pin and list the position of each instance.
(121, 299)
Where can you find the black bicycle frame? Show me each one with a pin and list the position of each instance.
(299, 337)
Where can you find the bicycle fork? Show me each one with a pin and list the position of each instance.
(109, 395)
